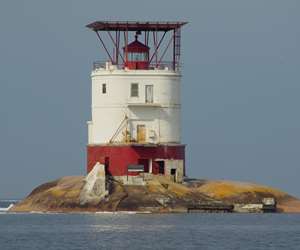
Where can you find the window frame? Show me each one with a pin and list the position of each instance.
(146, 93)
(104, 88)
(137, 56)
(134, 92)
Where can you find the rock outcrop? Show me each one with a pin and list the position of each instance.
(80, 194)
(94, 189)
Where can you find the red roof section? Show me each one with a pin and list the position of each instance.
(137, 46)
(134, 26)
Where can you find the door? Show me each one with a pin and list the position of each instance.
(141, 133)
(106, 164)
(173, 174)
(161, 168)
(149, 94)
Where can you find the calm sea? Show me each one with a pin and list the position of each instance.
(148, 231)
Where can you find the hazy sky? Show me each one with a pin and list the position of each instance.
(241, 92)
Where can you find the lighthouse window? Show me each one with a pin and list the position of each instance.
(134, 92)
(104, 88)
(137, 56)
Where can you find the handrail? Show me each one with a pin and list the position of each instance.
(163, 65)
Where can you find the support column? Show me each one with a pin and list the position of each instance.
(150, 166)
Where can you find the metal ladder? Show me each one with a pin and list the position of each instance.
(177, 37)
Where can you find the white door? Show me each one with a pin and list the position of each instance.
(149, 94)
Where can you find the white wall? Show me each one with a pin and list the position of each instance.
(108, 110)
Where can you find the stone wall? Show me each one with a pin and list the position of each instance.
(177, 167)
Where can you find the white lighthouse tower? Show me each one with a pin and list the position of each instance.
(136, 108)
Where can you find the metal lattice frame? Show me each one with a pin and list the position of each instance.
(155, 28)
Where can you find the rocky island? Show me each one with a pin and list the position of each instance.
(157, 195)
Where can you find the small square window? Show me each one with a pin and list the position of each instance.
(134, 91)
(104, 88)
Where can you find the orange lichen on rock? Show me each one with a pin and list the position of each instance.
(230, 189)
(165, 185)
(160, 194)
(58, 195)
(289, 205)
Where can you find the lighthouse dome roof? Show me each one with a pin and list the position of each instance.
(137, 46)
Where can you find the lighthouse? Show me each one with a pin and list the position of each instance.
(135, 126)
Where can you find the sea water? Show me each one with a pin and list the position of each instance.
(149, 231)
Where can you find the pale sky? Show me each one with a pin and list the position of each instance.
(241, 93)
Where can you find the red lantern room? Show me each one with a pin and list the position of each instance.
(137, 55)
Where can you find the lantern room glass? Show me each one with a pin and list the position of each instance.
(137, 56)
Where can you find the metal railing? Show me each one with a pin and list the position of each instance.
(165, 65)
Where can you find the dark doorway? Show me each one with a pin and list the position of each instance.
(161, 167)
(106, 164)
(173, 174)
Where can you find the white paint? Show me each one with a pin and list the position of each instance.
(94, 189)
(6, 209)
(161, 118)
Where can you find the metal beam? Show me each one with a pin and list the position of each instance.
(116, 46)
(126, 44)
(174, 48)
(157, 47)
(100, 39)
(166, 49)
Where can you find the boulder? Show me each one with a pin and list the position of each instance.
(94, 189)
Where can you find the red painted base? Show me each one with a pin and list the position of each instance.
(117, 158)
